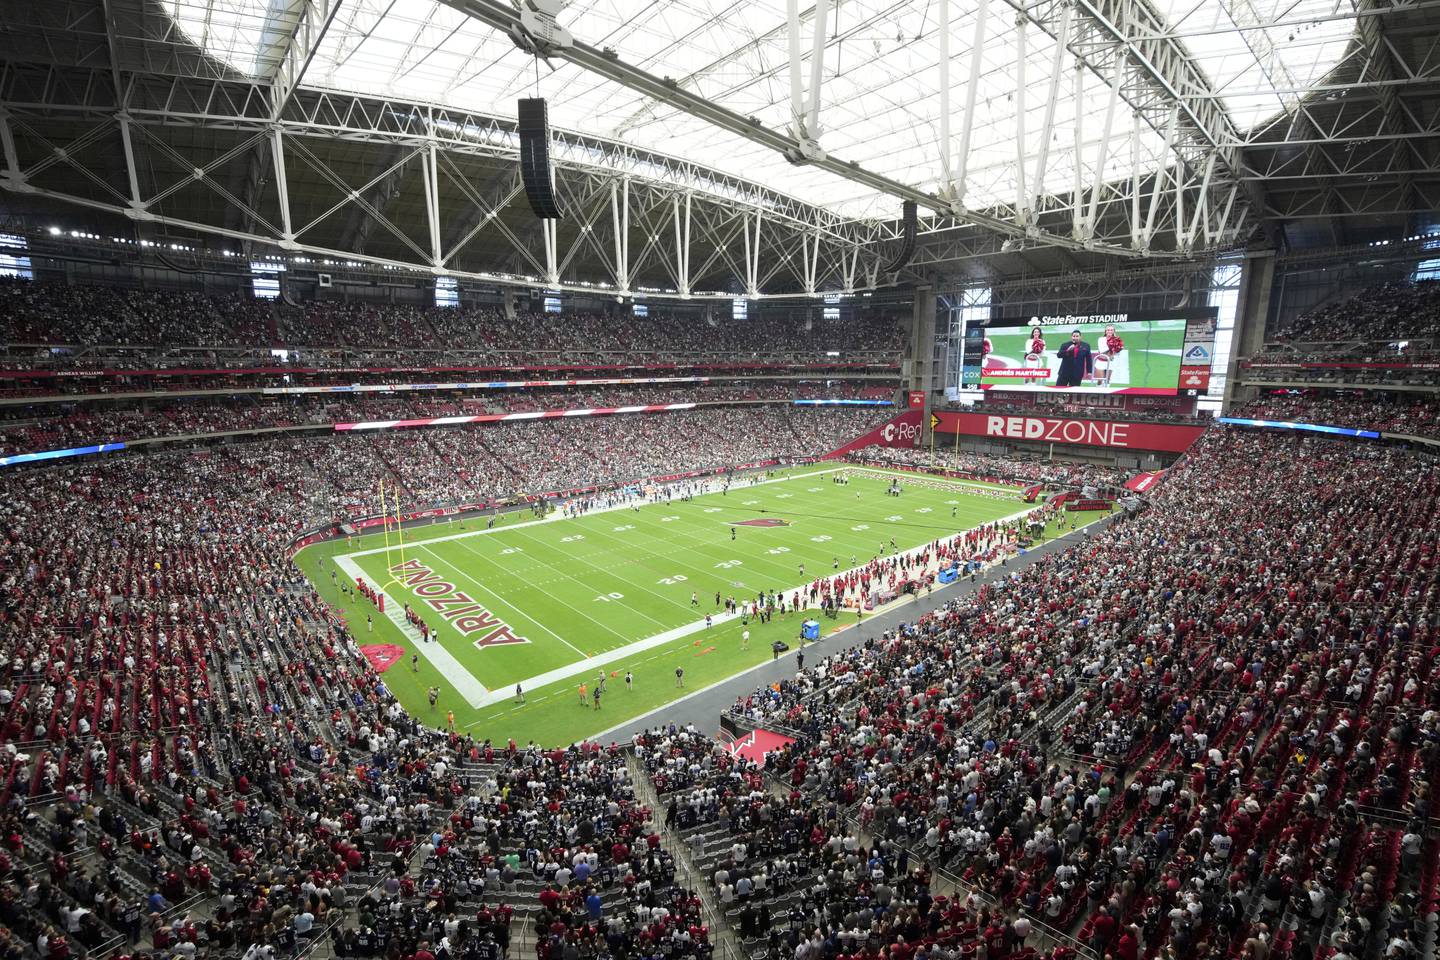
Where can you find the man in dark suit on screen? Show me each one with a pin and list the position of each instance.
(1074, 361)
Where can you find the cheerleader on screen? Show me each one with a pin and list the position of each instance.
(1110, 345)
(1035, 352)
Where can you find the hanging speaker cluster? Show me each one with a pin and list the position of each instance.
(534, 127)
(908, 227)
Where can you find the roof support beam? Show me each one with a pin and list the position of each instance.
(805, 112)
(1057, 69)
(1021, 195)
(1158, 187)
(503, 16)
(298, 47)
(682, 243)
(1170, 77)
(947, 172)
(127, 148)
(752, 257)
(620, 221)
(1077, 192)
(972, 91)
(14, 179)
(1202, 209)
(1380, 69)
(1135, 181)
(431, 172)
(1105, 146)
(282, 187)
(552, 268)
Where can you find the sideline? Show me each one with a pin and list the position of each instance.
(647, 720)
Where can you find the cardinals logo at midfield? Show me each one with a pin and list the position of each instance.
(761, 522)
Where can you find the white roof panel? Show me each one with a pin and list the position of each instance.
(880, 100)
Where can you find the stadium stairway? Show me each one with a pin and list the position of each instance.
(439, 453)
(790, 424)
(722, 932)
(503, 461)
(384, 458)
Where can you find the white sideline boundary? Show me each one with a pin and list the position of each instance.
(477, 695)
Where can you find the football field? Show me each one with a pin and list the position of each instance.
(550, 604)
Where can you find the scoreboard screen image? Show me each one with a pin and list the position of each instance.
(1138, 357)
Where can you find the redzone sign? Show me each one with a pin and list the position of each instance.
(1094, 433)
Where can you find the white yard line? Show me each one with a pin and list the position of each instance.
(441, 659)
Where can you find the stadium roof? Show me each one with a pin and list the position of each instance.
(880, 102)
(384, 131)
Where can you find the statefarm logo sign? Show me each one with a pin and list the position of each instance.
(1072, 318)
(463, 612)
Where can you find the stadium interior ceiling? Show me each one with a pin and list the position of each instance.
(701, 149)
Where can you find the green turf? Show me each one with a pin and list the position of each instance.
(577, 588)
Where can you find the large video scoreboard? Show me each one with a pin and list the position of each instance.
(1154, 353)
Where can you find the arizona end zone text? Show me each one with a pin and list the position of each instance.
(463, 612)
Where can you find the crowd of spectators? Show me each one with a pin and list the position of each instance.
(322, 476)
(1209, 732)
(54, 313)
(153, 327)
(1408, 413)
(1011, 469)
(577, 334)
(28, 428)
(197, 760)
(1381, 314)
(1328, 370)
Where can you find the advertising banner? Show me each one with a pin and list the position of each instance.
(1097, 404)
(1193, 377)
(1340, 365)
(1144, 481)
(902, 431)
(1170, 438)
